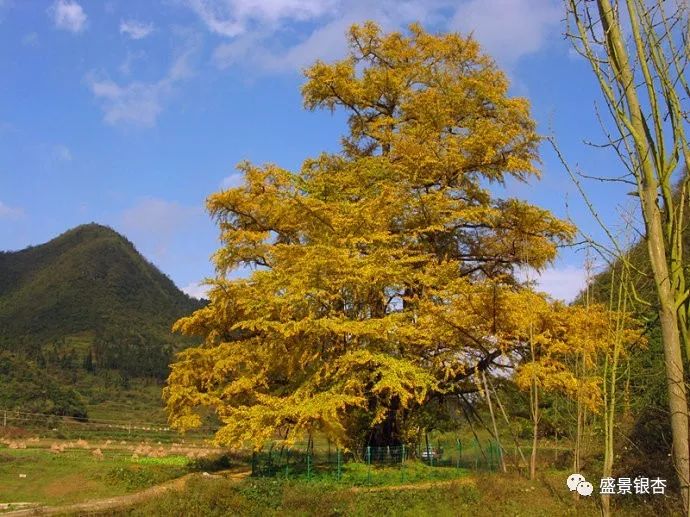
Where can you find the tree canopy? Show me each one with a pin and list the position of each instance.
(383, 277)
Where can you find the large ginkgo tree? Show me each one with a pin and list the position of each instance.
(383, 276)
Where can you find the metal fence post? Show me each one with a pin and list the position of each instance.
(339, 473)
(368, 464)
(458, 446)
(402, 464)
(308, 464)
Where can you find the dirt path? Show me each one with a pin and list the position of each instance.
(126, 501)
(123, 501)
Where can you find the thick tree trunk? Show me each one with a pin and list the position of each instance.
(387, 432)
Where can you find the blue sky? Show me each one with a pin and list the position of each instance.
(131, 113)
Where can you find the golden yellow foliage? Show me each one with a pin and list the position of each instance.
(566, 336)
(382, 276)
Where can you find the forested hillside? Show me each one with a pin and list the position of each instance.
(646, 424)
(88, 299)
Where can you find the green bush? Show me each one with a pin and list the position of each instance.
(137, 477)
(212, 463)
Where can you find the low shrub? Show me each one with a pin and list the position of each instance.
(137, 476)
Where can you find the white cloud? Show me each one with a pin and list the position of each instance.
(234, 17)
(8, 212)
(196, 290)
(138, 103)
(562, 283)
(509, 29)
(132, 57)
(234, 180)
(68, 15)
(327, 43)
(135, 29)
(153, 223)
(257, 31)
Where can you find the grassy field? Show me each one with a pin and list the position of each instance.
(476, 494)
(39, 474)
(471, 495)
(78, 473)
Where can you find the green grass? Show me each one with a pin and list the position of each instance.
(477, 495)
(177, 461)
(75, 474)
(360, 474)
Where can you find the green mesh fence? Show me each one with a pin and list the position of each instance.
(377, 465)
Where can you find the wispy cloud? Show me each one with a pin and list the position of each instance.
(9, 212)
(30, 40)
(196, 290)
(234, 17)
(62, 153)
(153, 223)
(256, 31)
(135, 30)
(132, 57)
(139, 103)
(509, 29)
(52, 156)
(234, 180)
(68, 15)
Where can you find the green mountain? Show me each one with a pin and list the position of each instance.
(88, 298)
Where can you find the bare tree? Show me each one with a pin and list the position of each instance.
(638, 51)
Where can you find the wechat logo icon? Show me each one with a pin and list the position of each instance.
(577, 482)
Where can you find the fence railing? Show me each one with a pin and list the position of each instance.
(375, 465)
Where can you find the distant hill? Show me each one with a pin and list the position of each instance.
(645, 376)
(89, 298)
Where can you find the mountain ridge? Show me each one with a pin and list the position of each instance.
(88, 280)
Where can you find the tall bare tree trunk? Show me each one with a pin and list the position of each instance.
(534, 405)
(578, 435)
(493, 423)
(515, 438)
(651, 143)
(534, 409)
